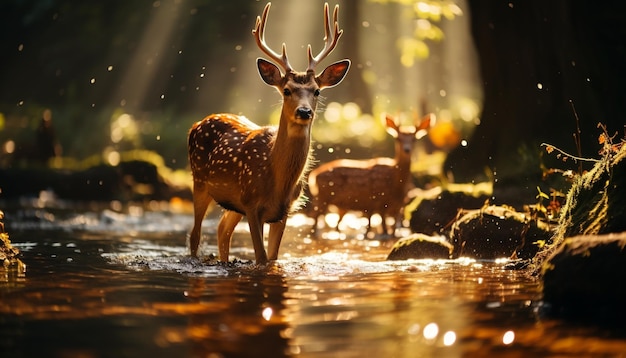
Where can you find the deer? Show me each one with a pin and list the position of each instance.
(373, 186)
(257, 171)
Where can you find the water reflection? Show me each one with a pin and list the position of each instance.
(376, 313)
(251, 322)
(324, 298)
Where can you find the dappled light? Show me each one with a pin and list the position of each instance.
(414, 191)
(328, 295)
(139, 94)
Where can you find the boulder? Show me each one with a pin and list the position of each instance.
(432, 211)
(420, 246)
(498, 232)
(584, 278)
(584, 270)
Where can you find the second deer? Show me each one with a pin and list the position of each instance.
(257, 171)
(374, 186)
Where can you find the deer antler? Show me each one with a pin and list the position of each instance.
(329, 43)
(259, 35)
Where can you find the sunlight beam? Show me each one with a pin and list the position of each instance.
(150, 53)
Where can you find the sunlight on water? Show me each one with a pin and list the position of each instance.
(325, 297)
(508, 338)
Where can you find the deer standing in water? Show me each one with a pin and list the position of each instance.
(374, 186)
(257, 171)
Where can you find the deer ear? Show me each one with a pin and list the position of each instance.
(423, 127)
(426, 122)
(392, 127)
(333, 74)
(269, 72)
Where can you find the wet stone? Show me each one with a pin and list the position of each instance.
(584, 278)
(498, 232)
(420, 246)
(432, 210)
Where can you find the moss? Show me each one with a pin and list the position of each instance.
(420, 246)
(8, 253)
(595, 204)
(498, 231)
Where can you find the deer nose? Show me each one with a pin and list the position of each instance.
(304, 113)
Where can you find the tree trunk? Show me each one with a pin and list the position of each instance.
(537, 58)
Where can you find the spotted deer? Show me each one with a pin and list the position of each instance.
(255, 171)
(374, 186)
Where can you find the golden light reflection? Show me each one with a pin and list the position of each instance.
(508, 337)
(431, 331)
(449, 338)
(298, 220)
(331, 219)
(414, 329)
(267, 313)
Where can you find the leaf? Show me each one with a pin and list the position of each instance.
(542, 194)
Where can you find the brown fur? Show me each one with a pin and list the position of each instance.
(257, 171)
(375, 186)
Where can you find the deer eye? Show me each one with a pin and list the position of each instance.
(286, 92)
(316, 93)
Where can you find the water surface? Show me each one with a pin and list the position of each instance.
(118, 283)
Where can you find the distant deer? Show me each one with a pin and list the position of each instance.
(257, 171)
(374, 186)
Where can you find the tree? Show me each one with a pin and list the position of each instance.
(537, 58)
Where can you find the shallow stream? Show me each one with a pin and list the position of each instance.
(118, 283)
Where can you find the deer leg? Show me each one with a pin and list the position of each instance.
(256, 231)
(369, 223)
(342, 213)
(225, 230)
(397, 223)
(276, 235)
(201, 201)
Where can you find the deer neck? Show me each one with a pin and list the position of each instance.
(290, 153)
(403, 162)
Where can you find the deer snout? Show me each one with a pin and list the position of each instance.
(304, 113)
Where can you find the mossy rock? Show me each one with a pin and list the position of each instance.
(130, 180)
(9, 255)
(584, 278)
(420, 246)
(596, 202)
(498, 232)
(584, 270)
(431, 211)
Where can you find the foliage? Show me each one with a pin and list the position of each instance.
(427, 13)
(9, 254)
(595, 202)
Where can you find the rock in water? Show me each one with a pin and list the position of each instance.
(420, 246)
(498, 232)
(584, 278)
(585, 269)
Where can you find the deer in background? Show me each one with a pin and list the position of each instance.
(374, 186)
(257, 171)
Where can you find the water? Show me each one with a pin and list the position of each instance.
(100, 283)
